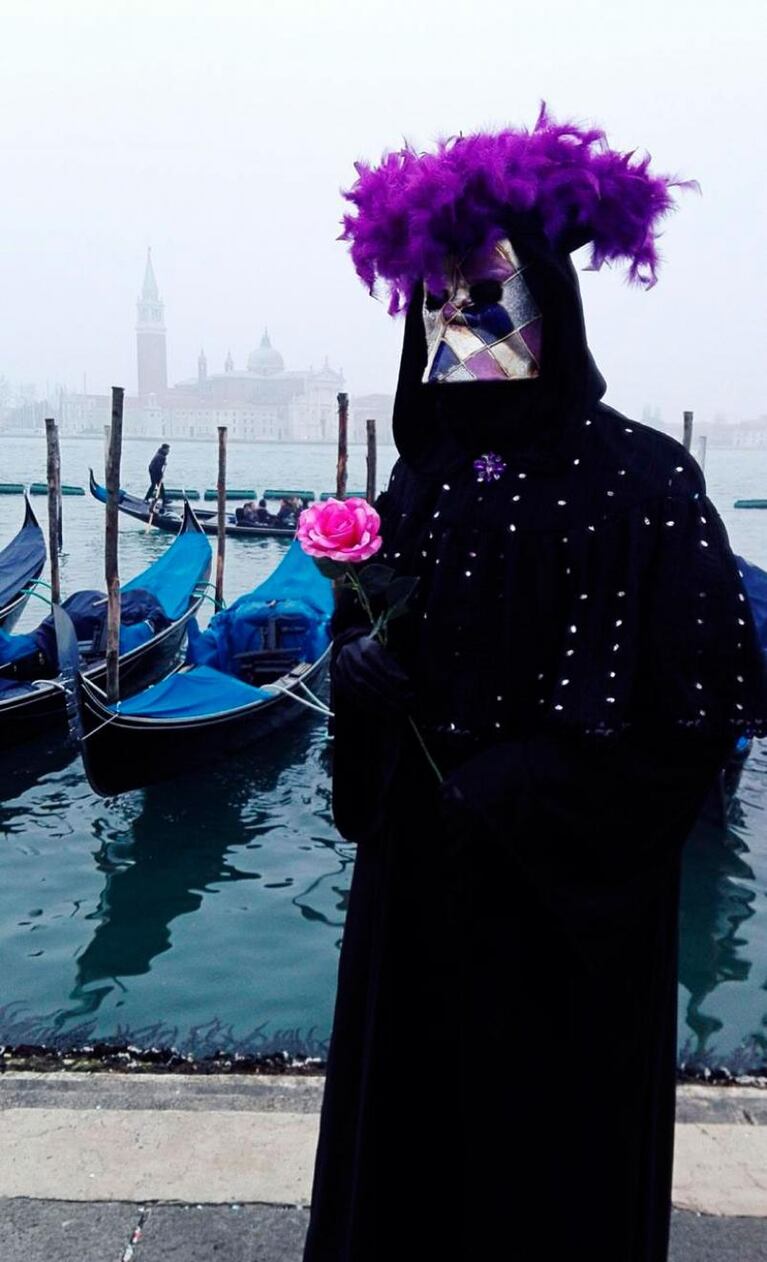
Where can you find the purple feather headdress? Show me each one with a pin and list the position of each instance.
(415, 208)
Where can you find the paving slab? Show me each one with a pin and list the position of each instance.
(703, 1238)
(247, 1233)
(39, 1231)
(64, 1231)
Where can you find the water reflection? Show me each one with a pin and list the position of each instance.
(181, 846)
(720, 888)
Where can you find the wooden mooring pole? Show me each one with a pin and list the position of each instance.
(111, 563)
(343, 445)
(370, 492)
(687, 434)
(221, 497)
(55, 530)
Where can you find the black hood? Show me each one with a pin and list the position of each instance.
(532, 419)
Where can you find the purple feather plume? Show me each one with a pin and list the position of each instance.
(415, 208)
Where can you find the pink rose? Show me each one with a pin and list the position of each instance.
(341, 530)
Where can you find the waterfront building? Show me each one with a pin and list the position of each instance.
(262, 401)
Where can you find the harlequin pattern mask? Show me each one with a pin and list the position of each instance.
(485, 325)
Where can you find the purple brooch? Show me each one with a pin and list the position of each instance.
(489, 467)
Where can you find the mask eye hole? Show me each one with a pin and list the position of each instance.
(435, 302)
(486, 291)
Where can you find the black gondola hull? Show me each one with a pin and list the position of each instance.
(125, 753)
(141, 510)
(42, 712)
(10, 615)
(28, 551)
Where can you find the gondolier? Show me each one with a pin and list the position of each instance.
(580, 659)
(156, 473)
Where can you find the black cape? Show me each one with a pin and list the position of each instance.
(501, 1071)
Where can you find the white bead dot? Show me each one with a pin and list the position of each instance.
(564, 682)
(558, 707)
(647, 521)
(669, 523)
(515, 498)
(619, 622)
(561, 503)
(512, 526)
(703, 543)
(621, 593)
(592, 528)
(521, 475)
(573, 629)
(628, 429)
(584, 596)
(609, 699)
(577, 460)
(569, 652)
(468, 573)
(611, 673)
(622, 473)
(445, 486)
(610, 492)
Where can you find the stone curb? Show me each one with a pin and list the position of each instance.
(244, 1139)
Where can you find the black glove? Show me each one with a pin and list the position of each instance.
(363, 671)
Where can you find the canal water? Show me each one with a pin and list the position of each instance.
(206, 914)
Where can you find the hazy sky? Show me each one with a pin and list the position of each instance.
(221, 134)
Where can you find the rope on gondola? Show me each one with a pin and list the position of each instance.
(87, 735)
(315, 704)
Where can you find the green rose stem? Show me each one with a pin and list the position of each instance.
(378, 632)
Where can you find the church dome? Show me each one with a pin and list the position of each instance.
(266, 361)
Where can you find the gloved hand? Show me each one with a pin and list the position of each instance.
(365, 672)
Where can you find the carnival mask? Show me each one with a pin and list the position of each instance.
(485, 325)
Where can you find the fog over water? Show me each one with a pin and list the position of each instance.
(221, 135)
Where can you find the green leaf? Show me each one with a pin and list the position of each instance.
(375, 578)
(399, 591)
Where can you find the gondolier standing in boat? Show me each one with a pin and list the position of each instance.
(579, 659)
(157, 465)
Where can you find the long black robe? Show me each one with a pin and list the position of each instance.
(501, 1073)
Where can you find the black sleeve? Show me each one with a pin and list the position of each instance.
(705, 668)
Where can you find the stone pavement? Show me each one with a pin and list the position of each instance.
(151, 1168)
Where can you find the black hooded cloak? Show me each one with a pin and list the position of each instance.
(501, 1071)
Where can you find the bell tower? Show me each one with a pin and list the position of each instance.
(150, 336)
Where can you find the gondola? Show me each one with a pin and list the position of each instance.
(156, 607)
(166, 518)
(21, 563)
(250, 672)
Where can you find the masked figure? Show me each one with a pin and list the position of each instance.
(579, 658)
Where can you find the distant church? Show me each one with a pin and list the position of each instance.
(262, 402)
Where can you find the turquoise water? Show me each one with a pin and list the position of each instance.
(207, 913)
